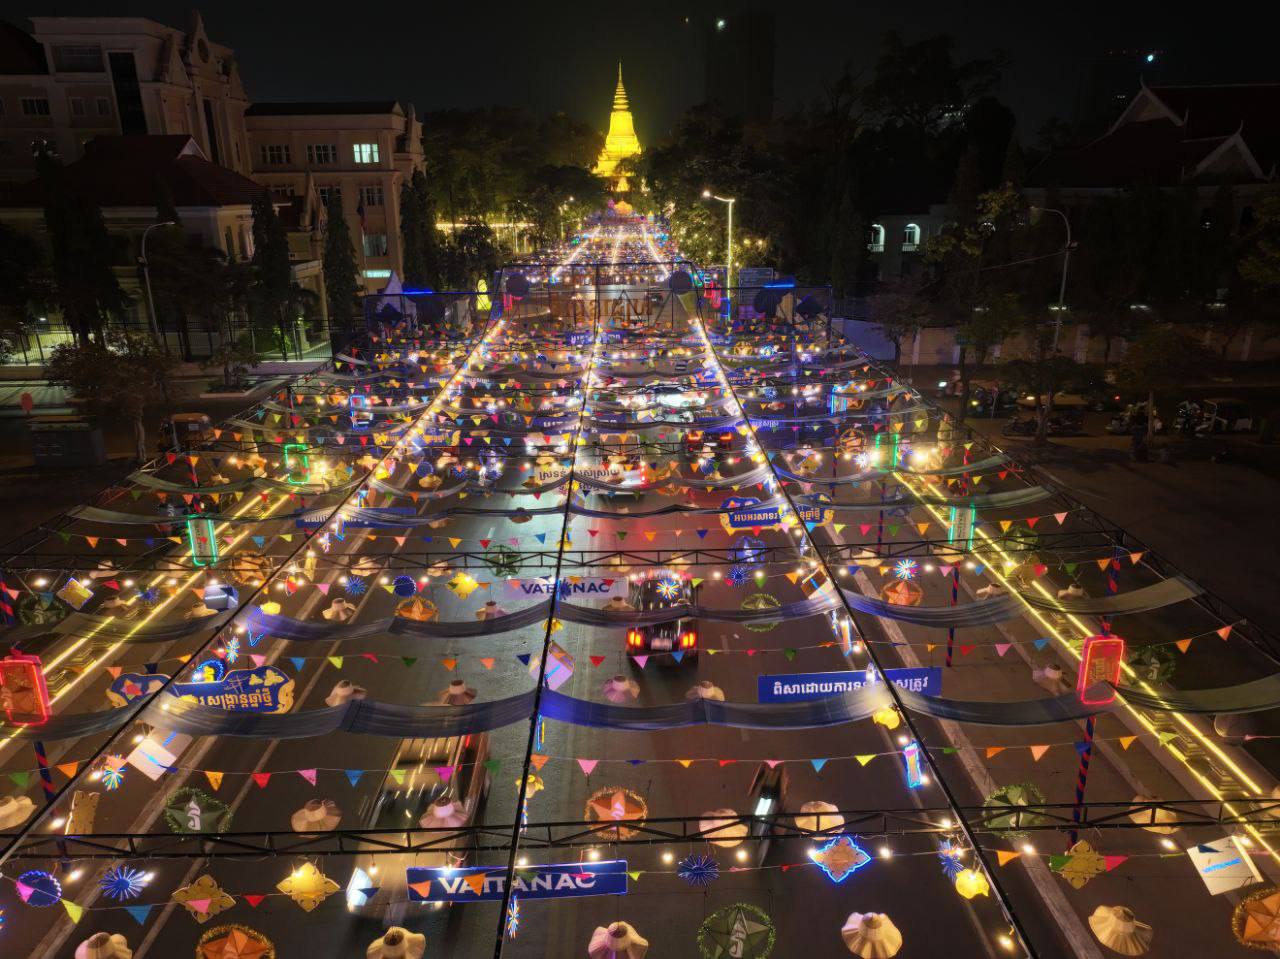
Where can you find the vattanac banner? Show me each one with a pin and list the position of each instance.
(485, 883)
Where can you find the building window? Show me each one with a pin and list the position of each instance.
(77, 106)
(910, 237)
(104, 106)
(275, 154)
(282, 192)
(371, 195)
(375, 244)
(365, 152)
(78, 59)
(328, 191)
(319, 154)
(35, 106)
(875, 242)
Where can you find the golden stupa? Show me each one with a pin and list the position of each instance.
(621, 141)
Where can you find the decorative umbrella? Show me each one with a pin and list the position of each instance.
(490, 610)
(871, 935)
(339, 610)
(1050, 677)
(724, 825)
(398, 943)
(198, 610)
(618, 604)
(618, 689)
(616, 804)
(344, 691)
(740, 931)
(705, 689)
(1119, 931)
(365, 566)
(1256, 921)
(234, 942)
(444, 813)
(317, 815)
(819, 816)
(617, 941)
(104, 945)
(457, 693)
(1152, 819)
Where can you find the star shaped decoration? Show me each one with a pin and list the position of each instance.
(840, 858)
(235, 942)
(307, 886)
(613, 803)
(1256, 922)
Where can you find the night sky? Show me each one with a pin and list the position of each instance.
(549, 56)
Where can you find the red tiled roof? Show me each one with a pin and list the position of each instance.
(123, 171)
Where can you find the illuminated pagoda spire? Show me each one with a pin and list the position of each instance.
(621, 141)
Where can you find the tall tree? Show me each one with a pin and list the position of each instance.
(122, 372)
(24, 285)
(1160, 359)
(340, 281)
(418, 233)
(270, 272)
(83, 253)
(848, 244)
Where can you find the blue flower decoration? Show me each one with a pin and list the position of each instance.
(355, 586)
(121, 883)
(738, 575)
(404, 586)
(949, 857)
(698, 870)
(37, 888)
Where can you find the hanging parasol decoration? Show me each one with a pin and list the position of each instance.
(616, 804)
(740, 931)
(234, 942)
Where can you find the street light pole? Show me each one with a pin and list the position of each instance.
(146, 279)
(728, 260)
(1066, 260)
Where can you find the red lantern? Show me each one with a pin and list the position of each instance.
(25, 694)
(1101, 662)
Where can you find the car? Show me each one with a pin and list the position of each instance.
(700, 442)
(658, 590)
(184, 431)
(415, 780)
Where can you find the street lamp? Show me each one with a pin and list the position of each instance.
(1066, 259)
(146, 278)
(728, 262)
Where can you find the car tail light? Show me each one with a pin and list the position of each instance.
(634, 638)
(688, 640)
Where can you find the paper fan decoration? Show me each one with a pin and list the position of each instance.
(38, 888)
(698, 869)
(307, 886)
(122, 882)
(668, 589)
(906, 569)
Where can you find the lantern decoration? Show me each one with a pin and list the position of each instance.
(463, 585)
(819, 816)
(698, 869)
(204, 898)
(1154, 819)
(234, 942)
(122, 883)
(971, 882)
(840, 858)
(307, 886)
(1118, 930)
(1101, 662)
(871, 935)
(887, 717)
(39, 888)
(616, 804)
(1256, 920)
(740, 931)
(722, 827)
